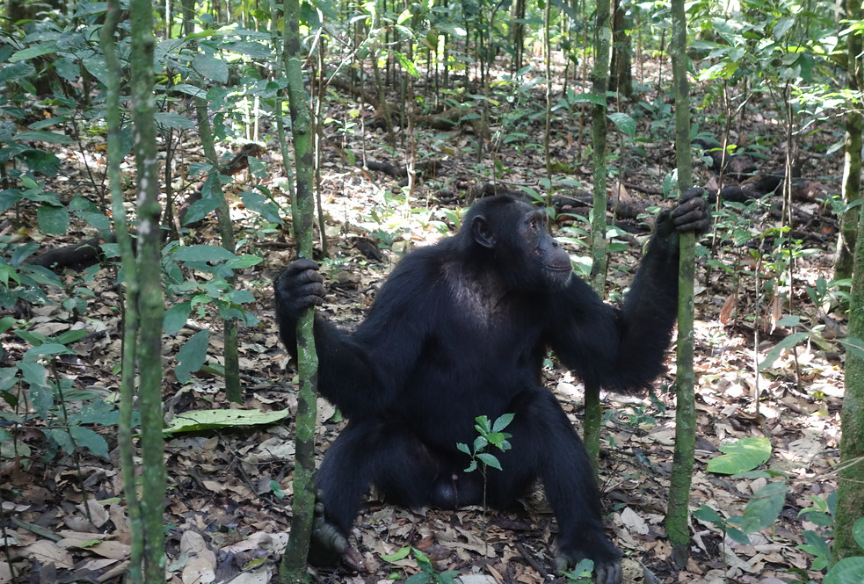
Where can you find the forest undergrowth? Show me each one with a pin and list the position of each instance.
(760, 282)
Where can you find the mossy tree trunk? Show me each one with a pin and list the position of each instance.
(150, 305)
(850, 488)
(294, 561)
(599, 86)
(846, 240)
(677, 524)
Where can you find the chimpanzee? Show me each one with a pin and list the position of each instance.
(460, 329)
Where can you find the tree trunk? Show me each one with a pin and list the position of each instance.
(846, 239)
(151, 306)
(622, 49)
(599, 85)
(677, 524)
(226, 233)
(130, 304)
(850, 488)
(302, 509)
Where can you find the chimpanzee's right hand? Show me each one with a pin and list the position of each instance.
(299, 287)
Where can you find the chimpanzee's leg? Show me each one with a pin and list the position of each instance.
(366, 453)
(545, 445)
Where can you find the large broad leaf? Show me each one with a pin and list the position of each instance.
(786, 343)
(847, 571)
(741, 456)
(96, 66)
(34, 51)
(212, 68)
(52, 220)
(764, 508)
(200, 209)
(191, 356)
(87, 438)
(249, 48)
(210, 419)
(203, 253)
(261, 204)
(50, 137)
(624, 122)
(590, 98)
(176, 317)
(190, 90)
(858, 532)
(173, 121)
(9, 197)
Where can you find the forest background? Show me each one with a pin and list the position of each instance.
(417, 109)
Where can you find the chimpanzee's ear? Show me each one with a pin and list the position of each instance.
(482, 232)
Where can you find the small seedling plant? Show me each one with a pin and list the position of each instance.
(488, 433)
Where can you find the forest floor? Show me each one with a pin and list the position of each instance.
(229, 491)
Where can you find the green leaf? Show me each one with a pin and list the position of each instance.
(45, 350)
(34, 339)
(708, 515)
(249, 48)
(98, 220)
(563, 5)
(6, 322)
(244, 261)
(407, 64)
(502, 422)
(36, 375)
(87, 438)
(190, 90)
(52, 220)
(261, 205)
(72, 336)
(96, 412)
(462, 447)
(173, 121)
(96, 66)
(203, 253)
(858, 532)
(763, 509)
(34, 51)
(816, 544)
(489, 460)
(211, 68)
(176, 317)
(50, 137)
(846, 571)
(7, 272)
(741, 456)
(737, 535)
(590, 98)
(786, 343)
(624, 122)
(40, 162)
(61, 438)
(9, 197)
(401, 554)
(200, 209)
(191, 356)
(195, 421)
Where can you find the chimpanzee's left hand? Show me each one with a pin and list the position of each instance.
(690, 214)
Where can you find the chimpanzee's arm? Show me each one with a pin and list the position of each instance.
(360, 372)
(623, 349)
